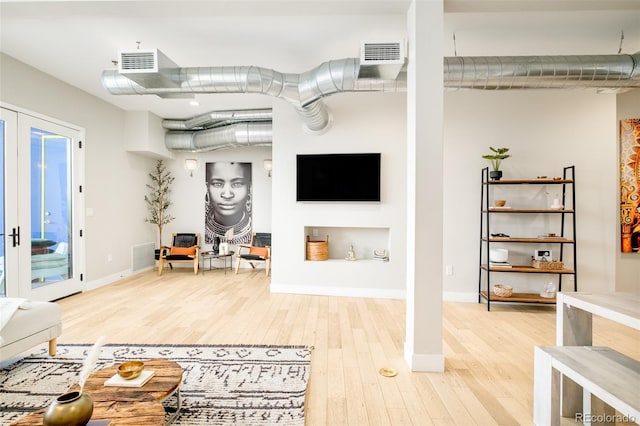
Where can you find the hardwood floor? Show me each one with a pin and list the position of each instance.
(489, 355)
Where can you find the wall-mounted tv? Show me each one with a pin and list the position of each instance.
(338, 177)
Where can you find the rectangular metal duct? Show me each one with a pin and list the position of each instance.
(381, 59)
(150, 68)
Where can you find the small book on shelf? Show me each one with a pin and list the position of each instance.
(138, 382)
(500, 264)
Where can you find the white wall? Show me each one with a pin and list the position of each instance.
(627, 264)
(546, 130)
(364, 122)
(114, 182)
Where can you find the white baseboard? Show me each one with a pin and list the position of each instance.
(459, 296)
(423, 362)
(92, 285)
(376, 293)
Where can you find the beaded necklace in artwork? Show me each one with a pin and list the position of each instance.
(241, 230)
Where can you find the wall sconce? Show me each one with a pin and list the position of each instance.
(268, 166)
(191, 165)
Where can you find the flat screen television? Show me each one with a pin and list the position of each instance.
(338, 177)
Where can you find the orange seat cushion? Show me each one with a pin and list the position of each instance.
(187, 251)
(259, 251)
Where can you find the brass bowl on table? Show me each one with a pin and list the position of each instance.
(130, 369)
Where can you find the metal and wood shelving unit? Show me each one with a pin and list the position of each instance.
(565, 240)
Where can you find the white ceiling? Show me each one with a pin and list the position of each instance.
(75, 41)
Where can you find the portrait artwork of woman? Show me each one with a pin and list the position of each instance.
(228, 202)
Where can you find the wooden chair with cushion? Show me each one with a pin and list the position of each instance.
(185, 248)
(259, 250)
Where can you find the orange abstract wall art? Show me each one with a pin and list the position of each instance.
(630, 185)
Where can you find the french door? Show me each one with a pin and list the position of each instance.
(41, 249)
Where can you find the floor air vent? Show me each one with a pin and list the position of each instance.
(142, 257)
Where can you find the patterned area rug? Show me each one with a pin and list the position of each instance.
(221, 385)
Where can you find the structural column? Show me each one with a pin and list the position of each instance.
(423, 340)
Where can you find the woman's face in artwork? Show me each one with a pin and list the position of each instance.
(228, 188)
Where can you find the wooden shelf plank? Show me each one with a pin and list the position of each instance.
(558, 240)
(528, 181)
(520, 297)
(512, 210)
(528, 269)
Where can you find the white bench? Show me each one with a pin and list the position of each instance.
(41, 322)
(610, 376)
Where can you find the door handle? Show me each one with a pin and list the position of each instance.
(15, 235)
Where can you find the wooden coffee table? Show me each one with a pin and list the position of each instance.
(126, 405)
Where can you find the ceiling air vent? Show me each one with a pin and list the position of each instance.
(381, 59)
(150, 68)
(139, 61)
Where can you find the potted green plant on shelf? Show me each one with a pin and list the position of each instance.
(158, 200)
(498, 154)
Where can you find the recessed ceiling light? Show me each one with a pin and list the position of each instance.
(194, 103)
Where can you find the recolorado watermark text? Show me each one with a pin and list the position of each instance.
(604, 418)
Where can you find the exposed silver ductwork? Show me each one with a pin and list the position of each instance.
(220, 130)
(304, 91)
(543, 72)
(231, 136)
(219, 118)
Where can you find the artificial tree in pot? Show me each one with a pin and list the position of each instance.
(158, 200)
(498, 154)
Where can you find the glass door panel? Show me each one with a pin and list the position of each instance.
(49, 159)
(51, 242)
(3, 290)
(40, 207)
(8, 205)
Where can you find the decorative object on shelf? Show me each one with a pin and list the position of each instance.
(496, 158)
(543, 255)
(549, 290)
(550, 264)
(158, 199)
(556, 205)
(499, 255)
(381, 255)
(500, 203)
(351, 254)
(69, 409)
(317, 250)
(502, 290)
